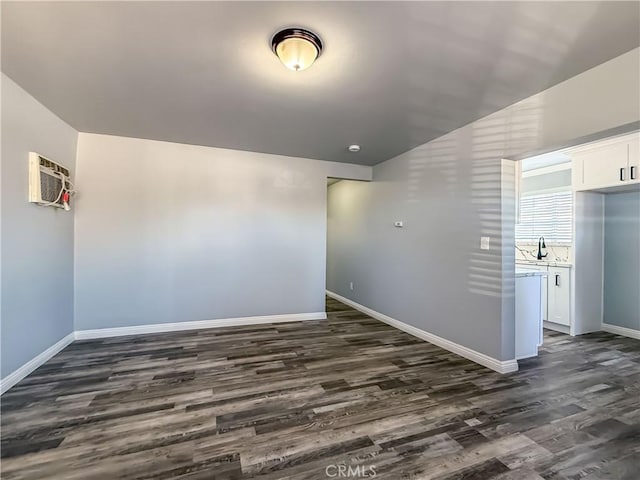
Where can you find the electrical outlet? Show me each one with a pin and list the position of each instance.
(350, 285)
(484, 243)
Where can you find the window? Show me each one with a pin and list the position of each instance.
(546, 215)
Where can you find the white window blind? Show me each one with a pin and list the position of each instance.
(546, 215)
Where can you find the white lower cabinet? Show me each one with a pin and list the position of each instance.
(559, 296)
(556, 294)
(528, 315)
(544, 293)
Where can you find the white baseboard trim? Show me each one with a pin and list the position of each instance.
(194, 325)
(14, 377)
(624, 331)
(500, 366)
(556, 327)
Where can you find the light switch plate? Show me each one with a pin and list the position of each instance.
(484, 243)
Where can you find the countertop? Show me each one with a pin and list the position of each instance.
(542, 263)
(524, 272)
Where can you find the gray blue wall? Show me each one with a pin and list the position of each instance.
(37, 242)
(622, 260)
(168, 232)
(546, 181)
(431, 273)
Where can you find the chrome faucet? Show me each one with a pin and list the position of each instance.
(541, 245)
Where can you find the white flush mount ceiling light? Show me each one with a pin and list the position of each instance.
(296, 48)
(354, 148)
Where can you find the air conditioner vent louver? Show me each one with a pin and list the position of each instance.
(48, 181)
(44, 162)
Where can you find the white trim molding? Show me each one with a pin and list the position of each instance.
(500, 366)
(14, 377)
(624, 331)
(195, 325)
(556, 327)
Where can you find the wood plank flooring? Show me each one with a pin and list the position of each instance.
(345, 398)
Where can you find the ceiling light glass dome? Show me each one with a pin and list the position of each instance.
(296, 48)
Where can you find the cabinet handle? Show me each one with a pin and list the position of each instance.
(633, 172)
(622, 174)
(557, 280)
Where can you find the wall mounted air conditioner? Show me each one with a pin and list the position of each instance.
(49, 182)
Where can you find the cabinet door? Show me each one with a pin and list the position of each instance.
(559, 296)
(604, 166)
(634, 160)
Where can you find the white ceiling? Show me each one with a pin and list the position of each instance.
(393, 75)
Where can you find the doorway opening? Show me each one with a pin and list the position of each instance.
(578, 226)
(344, 263)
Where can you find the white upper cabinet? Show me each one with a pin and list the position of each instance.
(609, 163)
(601, 167)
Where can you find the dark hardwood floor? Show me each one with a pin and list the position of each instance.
(308, 400)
